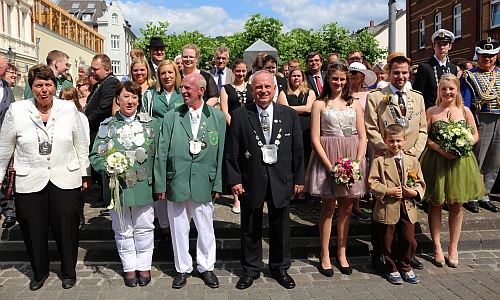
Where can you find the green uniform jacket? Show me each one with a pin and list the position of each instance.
(61, 83)
(182, 174)
(141, 193)
(159, 106)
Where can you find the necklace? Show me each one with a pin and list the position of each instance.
(44, 111)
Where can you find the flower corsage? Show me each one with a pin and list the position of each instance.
(346, 172)
(388, 99)
(412, 178)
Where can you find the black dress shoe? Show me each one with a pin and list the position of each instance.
(210, 279)
(344, 270)
(68, 283)
(180, 280)
(37, 284)
(284, 279)
(325, 272)
(143, 281)
(132, 282)
(471, 206)
(165, 241)
(245, 282)
(9, 222)
(484, 204)
(378, 264)
(415, 264)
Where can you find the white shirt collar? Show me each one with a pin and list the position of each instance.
(441, 63)
(128, 119)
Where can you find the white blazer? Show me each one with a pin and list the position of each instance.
(68, 161)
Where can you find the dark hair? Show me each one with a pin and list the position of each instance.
(269, 58)
(346, 90)
(398, 60)
(130, 86)
(394, 129)
(313, 54)
(105, 60)
(239, 61)
(42, 72)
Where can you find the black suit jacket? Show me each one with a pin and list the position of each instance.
(282, 84)
(426, 83)
(152, 69)
(311, 82)
(7, 99)
(244, 156)
(100, 103)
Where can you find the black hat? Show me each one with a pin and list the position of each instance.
(488, 46)
(156, 42)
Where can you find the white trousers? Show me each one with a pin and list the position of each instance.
(135, 239)
(162, 214)
(179, 215)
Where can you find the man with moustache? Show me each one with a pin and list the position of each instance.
(265, 164)
(222, 75)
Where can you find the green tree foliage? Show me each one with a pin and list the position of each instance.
(294, 44)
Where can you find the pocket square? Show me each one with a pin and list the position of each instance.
(287, 134)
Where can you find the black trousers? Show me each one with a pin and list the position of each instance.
(55, 209)
(251, 236)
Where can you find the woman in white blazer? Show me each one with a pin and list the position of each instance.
(48, 142)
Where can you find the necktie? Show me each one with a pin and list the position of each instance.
(400, 170)
(194, 117)
(219, 82)
(264, 122)
(318, 83)
(401, 103)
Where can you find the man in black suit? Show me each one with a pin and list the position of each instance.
(314, 76)
(429, 73)
(157, 54)
(265, 165)
(6, 98)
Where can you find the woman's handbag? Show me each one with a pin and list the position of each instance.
(8, 183)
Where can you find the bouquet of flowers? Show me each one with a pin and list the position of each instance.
(412, 178)
(456, 137)
(117, 164)
(346, 172)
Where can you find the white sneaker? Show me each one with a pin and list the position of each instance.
(236, 210)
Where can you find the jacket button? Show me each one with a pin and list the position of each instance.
(192, 161)
(48, 167)
(48, 157)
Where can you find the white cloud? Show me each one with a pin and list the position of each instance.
(214, 20)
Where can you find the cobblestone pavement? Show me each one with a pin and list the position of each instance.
(477, 277)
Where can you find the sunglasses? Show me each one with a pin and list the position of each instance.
(353, 72)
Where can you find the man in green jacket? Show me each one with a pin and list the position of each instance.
(188, 173)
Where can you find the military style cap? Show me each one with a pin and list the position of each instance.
(443, 35)
(488, 46)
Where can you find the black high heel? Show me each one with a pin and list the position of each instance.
(344, 270)
(325, 272)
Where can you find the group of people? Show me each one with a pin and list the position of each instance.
(168, 141)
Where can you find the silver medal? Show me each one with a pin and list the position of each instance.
(101, 149)
(111, 144)
(127, 143)
(195, 147)
(152, 149)
(103, 131)
(403, 122)
(269, 154)
(140, 155)
(130, 179)
(111, 131)
(44, 148)
(150, 132)
(347, 131)
(142, 173)
(247, 155)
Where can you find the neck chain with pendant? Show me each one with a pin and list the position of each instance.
(44, 111)
(445, 71)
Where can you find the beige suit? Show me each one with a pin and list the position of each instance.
(384, 175)
(378, 116)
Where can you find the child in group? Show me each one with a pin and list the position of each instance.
(452, 179)
(397, 182)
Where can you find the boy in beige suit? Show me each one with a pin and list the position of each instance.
(397, 182)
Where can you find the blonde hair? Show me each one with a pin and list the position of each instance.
(70, 93)
(141, 60)
(459, 102)
(303, 85)
(177, 82)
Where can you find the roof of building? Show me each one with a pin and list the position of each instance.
(377, 29)
(86, 10)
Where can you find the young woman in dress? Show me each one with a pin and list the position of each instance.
(337, 131)
(233, 96)
(450, 179)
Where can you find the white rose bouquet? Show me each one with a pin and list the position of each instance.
(117, 164)
(456, 137)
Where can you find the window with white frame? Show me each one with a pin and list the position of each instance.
(421, 34)
(457, 20)
(115, 42)
(114, 18)
(86, 17)
(115, 66)
(437, 22)
(75, 5)
(495, 13)
(9, 19)
(23, 26)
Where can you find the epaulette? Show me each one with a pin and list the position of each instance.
(375, 90)
(144, 117)
(377, 155)
(409, 153)
(418, 92)
(106, 121)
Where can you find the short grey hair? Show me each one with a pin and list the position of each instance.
(222, 49)
(260, 72)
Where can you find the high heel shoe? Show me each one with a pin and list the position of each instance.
(437, 262)
(452, 263)
(344, 270)
(325, 272)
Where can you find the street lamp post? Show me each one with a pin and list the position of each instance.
(392, 25)
(11, 55)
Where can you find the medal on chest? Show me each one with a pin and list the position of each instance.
(269, 152)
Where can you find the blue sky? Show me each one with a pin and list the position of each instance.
(224, 17)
